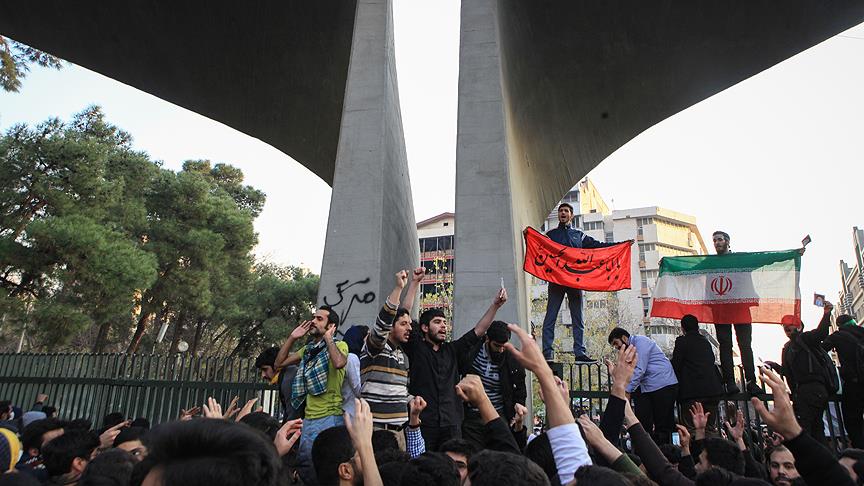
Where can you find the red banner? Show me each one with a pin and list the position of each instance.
(600, 269)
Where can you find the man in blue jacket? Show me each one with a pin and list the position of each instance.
(566, 234)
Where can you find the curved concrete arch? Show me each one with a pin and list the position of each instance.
(549, 89)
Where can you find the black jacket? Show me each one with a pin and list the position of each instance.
(693, 361)
(511, 373)
(799, 366)
(845, 342)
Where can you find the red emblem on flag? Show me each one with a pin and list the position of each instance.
(721, 285)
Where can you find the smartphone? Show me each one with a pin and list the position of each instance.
(676, 439)
(502, 282)
(806, 241)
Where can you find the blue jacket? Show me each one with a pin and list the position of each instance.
(569, 236)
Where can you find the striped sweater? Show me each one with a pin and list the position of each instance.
(384, 372)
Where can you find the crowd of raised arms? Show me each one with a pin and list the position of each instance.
(400, 404)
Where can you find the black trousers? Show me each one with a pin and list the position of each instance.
(809, 402)
(435, 436)
(744, 335)
(656, 411)
(852, 406)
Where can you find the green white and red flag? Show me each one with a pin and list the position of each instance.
(735, 288)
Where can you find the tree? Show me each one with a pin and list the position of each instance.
(15, 61)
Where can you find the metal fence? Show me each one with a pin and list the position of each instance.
(137, 385)
(589, 393)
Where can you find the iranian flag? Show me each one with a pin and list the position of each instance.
(735, 288)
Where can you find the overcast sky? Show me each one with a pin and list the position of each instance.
(774, 158)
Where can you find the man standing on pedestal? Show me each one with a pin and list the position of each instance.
(566, 234)
(744, 335)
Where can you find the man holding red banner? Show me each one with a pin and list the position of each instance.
(572, 279)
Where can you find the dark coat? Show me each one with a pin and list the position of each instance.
(511, 373)
(693, 361)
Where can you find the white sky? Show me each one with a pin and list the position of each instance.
(769, 160)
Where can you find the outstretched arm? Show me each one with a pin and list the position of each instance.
(483, 324)
(384, 323)
(416, 277)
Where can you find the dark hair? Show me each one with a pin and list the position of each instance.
(638, 479)
(429, 314)
(391, 455)
(401, 312)
(354, 337)
(498, 332)
(267, 358)
(724, 453)
(431, 469)
(724, 234)
(716, 476)
(599, 475)
(459, 446)
(383, 440)
(142, 422)
(112, 419)
(110, 468)
(262, 422)
(671, 452)
(331, 448)
(617, 333)
(332, 315)
(540, 452)
(59, 453)
(392, 472)
(207, 452)
(31, 436)
(48, 410)
(129, 434)
(493, 468)
(5, 406)
(80, 423)
(689, 323)
(565, 205)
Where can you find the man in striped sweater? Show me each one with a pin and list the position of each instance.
(383, 364)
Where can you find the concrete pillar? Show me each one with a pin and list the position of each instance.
(371, 232)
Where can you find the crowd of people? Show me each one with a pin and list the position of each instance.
(403, 402)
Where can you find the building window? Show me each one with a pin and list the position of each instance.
(593, 225)
(447, 223)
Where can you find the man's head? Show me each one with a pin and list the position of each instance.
(565, 213)
(846, 320)
(792, 325)
(590, 475)
(354, 337)
(70, 453)
(131, 440)
(113, 466)
(433, 325)
(431, 469)
(781, 466)
(540, 452)
(203, 452)
(689, 323)
(460, 451)
(497, 336)
(323, 318)
(5, 409)
(619, 338)
(493, 468)
(112, 419)
(266, 363)
(401, 327)
(721, 242)
(262, 422)
(335, 459)
(38, 433)
(853, 461)
(720, 453)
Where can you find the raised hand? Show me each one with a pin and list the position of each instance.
(561, 387)
(301, 330)
(188, 414)
(471, 390)
(593, 434)
(418, 274)
(416, 407)
(247, 409)
(622, 370)
(500, 297)
(287, 436)
(329, 333)
(41, 398)
(700, 418)
(232, 409)
(212, 409)
(781, 419)
(530, 357)
(519, 412)
(827, 307)
(401, 278)
(684, 438)
(736, 432)
(106, 439)
(360, 425)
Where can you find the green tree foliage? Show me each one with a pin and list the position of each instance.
(100, 247)
(15, 61)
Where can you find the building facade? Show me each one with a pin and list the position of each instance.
(436, 256)
(851, 299)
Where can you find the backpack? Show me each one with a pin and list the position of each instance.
(827, 369)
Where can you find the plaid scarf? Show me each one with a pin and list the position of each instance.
(311, 377)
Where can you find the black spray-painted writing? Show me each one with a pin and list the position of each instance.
(342, 288)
